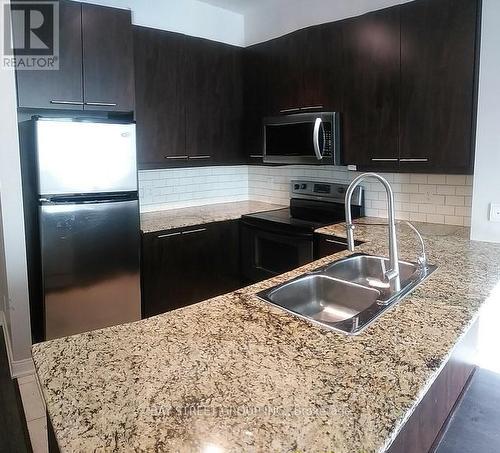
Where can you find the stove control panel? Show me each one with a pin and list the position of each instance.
(328, 191)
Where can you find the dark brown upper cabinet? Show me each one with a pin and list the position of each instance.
(160, 75)
(95, 63)
(254, 101)
(214, 101)
(63, 88)
(189, 100)
(437, 110)
(304, 70)
(371, 68)
(108, 59)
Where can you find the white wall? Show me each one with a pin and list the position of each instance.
(275, 19)
(487, 167)
(190, 17)
(3, 274)
(13, 223)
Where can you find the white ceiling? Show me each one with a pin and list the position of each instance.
(242, 6)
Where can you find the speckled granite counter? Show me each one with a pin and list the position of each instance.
(179, 218)
(234, 374)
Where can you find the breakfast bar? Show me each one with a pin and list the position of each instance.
(236, 374)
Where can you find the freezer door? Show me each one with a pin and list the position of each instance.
(90, 266)
(85, 157)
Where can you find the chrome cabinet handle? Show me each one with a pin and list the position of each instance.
(200, 157)
(176, 157)
(377, 159)
(56, 101)
(317, 127)
(102, 104)
(199, 230)
(312, 107)
(294, 109)
(332, 241)
(179, 233)
(168, 235)
(419, 159)
(256, 156)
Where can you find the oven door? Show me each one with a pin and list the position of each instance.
(267, 252)
(304, 138)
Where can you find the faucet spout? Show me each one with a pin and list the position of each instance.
(393, 273)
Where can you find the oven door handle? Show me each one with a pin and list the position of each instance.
(317, 127)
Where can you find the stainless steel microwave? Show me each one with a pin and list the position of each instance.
(302, 138)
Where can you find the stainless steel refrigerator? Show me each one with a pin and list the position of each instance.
(88, 223)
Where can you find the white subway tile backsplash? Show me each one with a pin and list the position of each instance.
(436, 179)
(456, 180)
(455, 201)
(418, 179)
(446, 190)
(425, 198)
(175, 188)
(454, 220)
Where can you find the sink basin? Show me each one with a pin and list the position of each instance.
(323, 298)
(347, 295)
(369, 271)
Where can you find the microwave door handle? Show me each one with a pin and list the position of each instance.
(317, 127)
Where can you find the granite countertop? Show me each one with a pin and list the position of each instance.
(235, 374)
(184, 217)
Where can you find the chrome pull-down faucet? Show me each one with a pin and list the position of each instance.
(392, 274)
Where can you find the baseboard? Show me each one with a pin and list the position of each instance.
(22, 368)
(18, 368)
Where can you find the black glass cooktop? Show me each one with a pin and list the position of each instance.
(303, 216)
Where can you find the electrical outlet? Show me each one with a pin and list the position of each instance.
(495, 212)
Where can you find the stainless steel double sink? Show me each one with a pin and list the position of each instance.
(346, 295)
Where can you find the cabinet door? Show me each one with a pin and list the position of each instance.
(160, 106)
(371, 86)
(321, 66)
(438, 45)
(163, 268)
(213, 97)
(225, 257)
(61, 89)
(183, 267)
(283, 65)
(255, 105)
(108, 59)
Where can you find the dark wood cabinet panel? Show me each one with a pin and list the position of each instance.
(371, 88)
(182, 267)
(160, 108)
(438, 47)
(254, 101)
(43, 89)
(326, 245)
(322, 71)
(108, 55)
(214, 101)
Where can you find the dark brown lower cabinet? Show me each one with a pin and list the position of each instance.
(326, 245)
(423, 430)
(184, 266)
